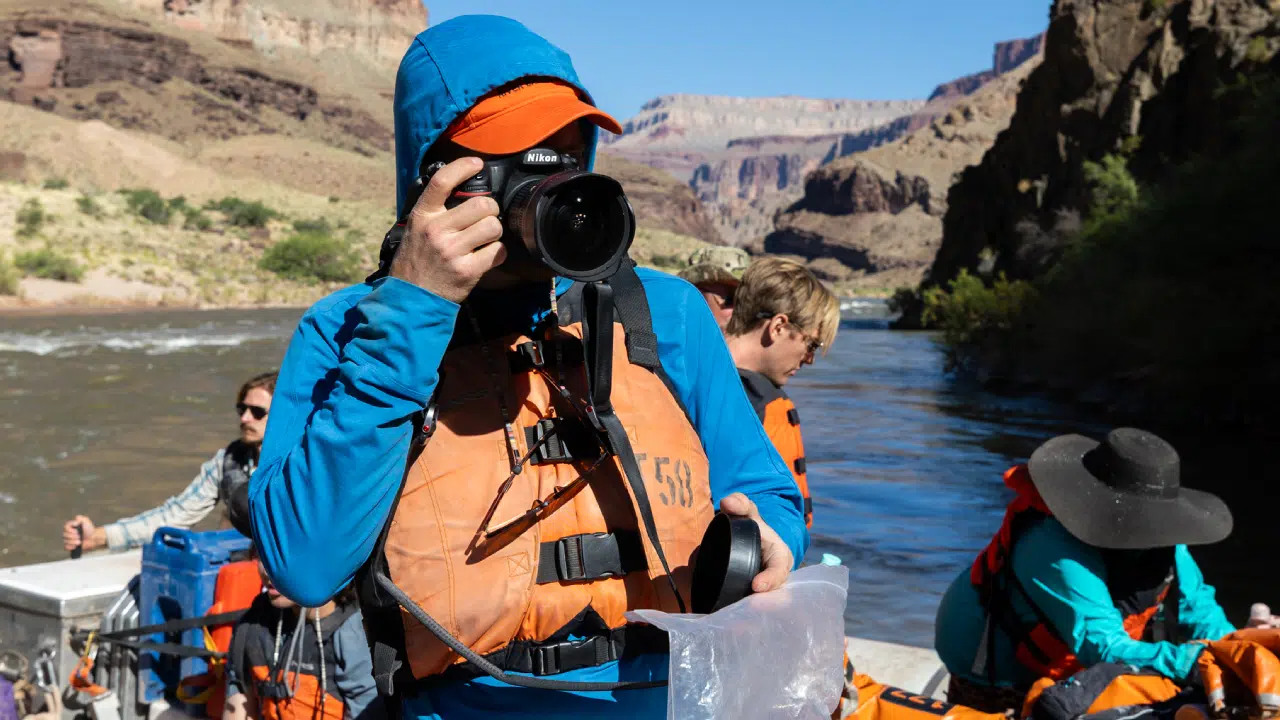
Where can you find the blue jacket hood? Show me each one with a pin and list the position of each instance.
(450, 66)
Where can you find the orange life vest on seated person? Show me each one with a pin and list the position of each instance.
(781, 423)
(575, 567)
(297, 687)
(1138, 596)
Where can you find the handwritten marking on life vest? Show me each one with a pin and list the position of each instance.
(679, 484)
(905, 699)
(518, 564)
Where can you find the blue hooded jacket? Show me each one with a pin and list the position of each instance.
(364, 359)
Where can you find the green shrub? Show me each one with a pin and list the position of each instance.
(968, 311)
(903, 299)
(56, 184)
(49, 264)
(319, 225)
(179, 204)
(30, 217)
(9, 277)
(1257, 52)
(1114, 189)
(197, 220)
(240, 213)
(89, 206)
(334, 199)
(149, 205)
(312, 256)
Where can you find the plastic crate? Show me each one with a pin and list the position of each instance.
(179, 575)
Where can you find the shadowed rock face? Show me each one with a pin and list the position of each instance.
(1112, 70)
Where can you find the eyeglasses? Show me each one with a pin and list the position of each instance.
(258, 411)
(812, 344)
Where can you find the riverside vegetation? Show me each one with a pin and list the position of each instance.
(1158, 303)
(224, 251)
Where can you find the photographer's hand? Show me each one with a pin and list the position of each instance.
(447, 251)
(776, 558)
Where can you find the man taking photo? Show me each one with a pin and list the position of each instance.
(445, 434)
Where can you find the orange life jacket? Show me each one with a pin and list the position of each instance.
(781, 423)
(573, 557)
(236, 587)
(1040, 648)
(304, 689)
(1101, 688)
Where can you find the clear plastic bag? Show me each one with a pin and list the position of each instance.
(775, 655)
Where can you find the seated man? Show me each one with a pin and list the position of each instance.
(783, 315)
(1090, 566)
(229, 468)
(717, 272)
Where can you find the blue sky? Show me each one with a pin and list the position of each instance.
(628, 52)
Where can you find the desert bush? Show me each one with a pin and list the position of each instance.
(312, 256)
(49, 264)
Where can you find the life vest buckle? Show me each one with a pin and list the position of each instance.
(592, 556)
(554, 658)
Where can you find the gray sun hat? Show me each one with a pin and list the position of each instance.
(716, 265)
(1125, 493)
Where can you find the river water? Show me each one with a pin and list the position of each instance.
(107, 415)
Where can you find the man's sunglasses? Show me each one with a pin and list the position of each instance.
(813, 344)
(258, 411)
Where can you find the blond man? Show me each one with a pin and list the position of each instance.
(783, 316)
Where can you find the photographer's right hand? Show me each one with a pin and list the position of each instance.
(447, 251)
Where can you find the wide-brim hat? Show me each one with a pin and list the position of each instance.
(1125, 493)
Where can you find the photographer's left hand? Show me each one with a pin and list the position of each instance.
(776, 560)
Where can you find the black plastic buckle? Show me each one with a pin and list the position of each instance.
(588, 557)
(793, 416)
(800, 466)
(567, 655)
(531, 352)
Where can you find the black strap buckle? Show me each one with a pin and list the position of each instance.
(588, 557)
(793, 416)
(531, 353)
(801, 466)
(554, 658)
(560, 439)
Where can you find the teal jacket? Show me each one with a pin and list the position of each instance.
(363, 360)
(1067, 580)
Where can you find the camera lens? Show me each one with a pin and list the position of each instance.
(585, 225)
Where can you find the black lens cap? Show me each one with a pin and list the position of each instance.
(728, 560)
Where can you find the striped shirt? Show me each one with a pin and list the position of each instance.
(183, 510)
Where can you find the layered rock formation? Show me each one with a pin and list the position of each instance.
(93, 64)
(755, 176)
(1112, 71)
(377, 30)
(678, 133)
(879, 212)
(659, 200)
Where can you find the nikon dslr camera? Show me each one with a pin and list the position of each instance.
(578, 223)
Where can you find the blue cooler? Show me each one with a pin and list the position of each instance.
(179, 575)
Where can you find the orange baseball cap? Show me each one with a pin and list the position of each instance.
(522, 116)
